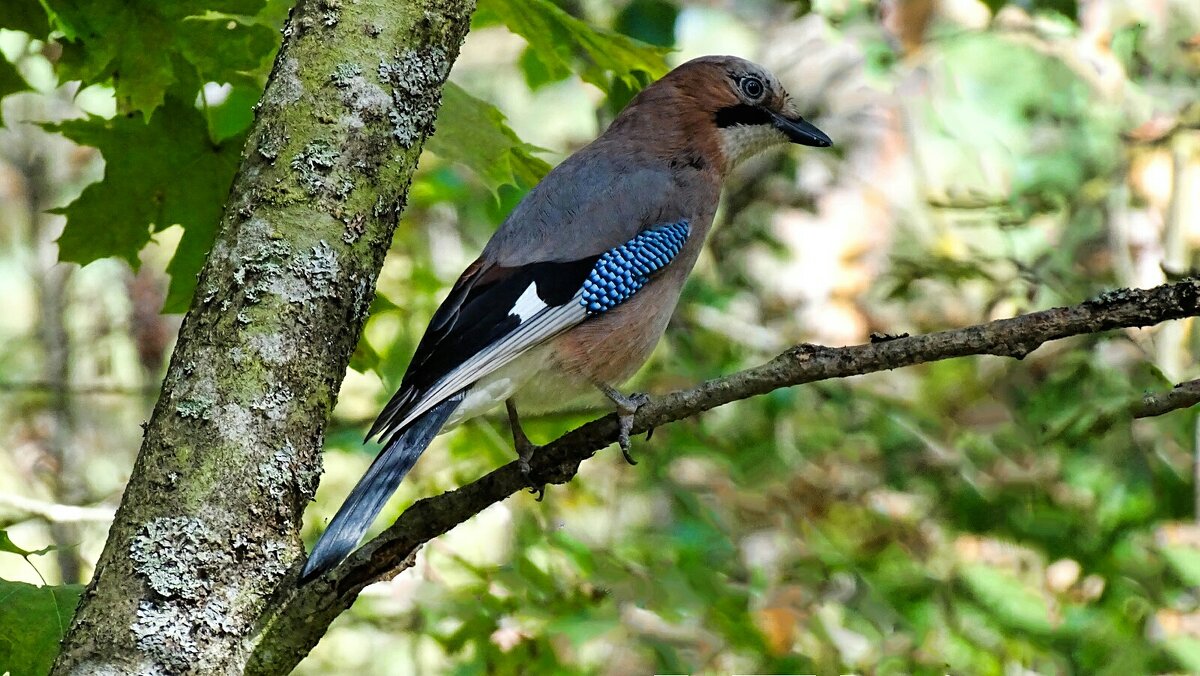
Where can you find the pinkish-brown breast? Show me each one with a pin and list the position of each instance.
(612, 347)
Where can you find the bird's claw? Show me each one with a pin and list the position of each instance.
(627, 406)
(524, 455)
(525, 450)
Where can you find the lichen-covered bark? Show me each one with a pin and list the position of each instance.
(208, 528)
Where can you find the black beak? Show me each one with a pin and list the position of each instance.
(800, 131)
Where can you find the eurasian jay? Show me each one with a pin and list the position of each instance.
(574, 290)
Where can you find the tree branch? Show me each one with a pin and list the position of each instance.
(41, 386)
(53, 512)
(303, 616)
(1183, 395)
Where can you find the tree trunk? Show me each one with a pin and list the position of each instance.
(208, 529)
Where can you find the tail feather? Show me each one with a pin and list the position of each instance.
(375, 487)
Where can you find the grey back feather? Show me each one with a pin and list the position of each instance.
(597, 199)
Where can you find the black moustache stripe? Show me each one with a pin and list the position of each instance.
(741, 114)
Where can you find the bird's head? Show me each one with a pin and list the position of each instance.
(735, 105)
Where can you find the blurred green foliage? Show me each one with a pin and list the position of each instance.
(973, 516)
(11, 82)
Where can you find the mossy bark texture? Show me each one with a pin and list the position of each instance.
(206, 539)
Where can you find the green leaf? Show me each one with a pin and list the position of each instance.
(156, 175)
(1009, 601)
(7, 545)
(185, 265)
(651, 21)
(32, 623)
(579, 628)
(134, 43)
(556, 39)
(474, 133)
(1185, 561)
(235, 114)
(364, 359)
(1185, 650)
(27, 16)
(222, 47)
(11, 82)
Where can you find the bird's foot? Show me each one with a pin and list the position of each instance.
(525, 450)
(525, 453)
(627, 406)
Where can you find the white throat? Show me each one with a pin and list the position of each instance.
(743, 140)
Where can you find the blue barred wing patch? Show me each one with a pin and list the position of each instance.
(622, 271)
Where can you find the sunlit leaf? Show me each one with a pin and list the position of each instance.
(564, 44)
(11, 82)
(1186, 651)
(234, 115)
(32, 623)
(7, 545)
(140, 44)
(474, 133)
(142, 191)
(1007, 599)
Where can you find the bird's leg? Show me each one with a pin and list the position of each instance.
(525, 448)
(627, 405)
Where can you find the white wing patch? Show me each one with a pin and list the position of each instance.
(544, 325)
(528, 304)
(619, 273)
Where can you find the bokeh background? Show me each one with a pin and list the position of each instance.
(973, 516)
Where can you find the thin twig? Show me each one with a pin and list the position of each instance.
(1183, 395)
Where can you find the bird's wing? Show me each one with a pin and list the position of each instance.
(593, 201)
(495, 313)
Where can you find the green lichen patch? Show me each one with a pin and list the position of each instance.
(283, 479)
(313, 276)
(317, 169)
(195, 409)
(416, 79)
(273, 404)
(186, 561)
(271, 141)
(173, 555)
(344, 74)
(313, 165)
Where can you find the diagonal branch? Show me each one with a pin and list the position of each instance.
(304, 614)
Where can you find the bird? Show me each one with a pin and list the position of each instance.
(575, 288)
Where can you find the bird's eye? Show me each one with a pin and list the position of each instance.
(752, 87)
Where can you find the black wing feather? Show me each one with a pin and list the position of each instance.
(477, 313)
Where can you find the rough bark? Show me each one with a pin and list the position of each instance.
(207, 530)
(1183, 395)
(301, 616)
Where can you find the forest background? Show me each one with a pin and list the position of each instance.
(980, 515)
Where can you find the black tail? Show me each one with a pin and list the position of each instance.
(374, 489)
